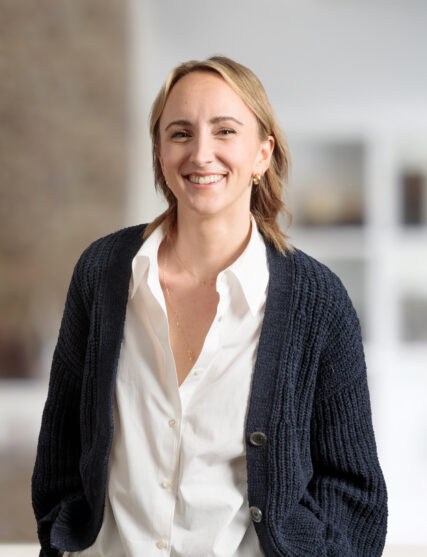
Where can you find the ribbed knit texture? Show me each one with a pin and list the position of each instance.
(317, 480)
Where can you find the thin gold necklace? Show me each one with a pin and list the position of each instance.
(190, 353)
(202, 282)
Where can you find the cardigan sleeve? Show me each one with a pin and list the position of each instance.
(56, 477)
(347, 488)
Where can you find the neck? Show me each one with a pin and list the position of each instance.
(208, 246)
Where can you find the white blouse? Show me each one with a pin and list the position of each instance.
(177, 480)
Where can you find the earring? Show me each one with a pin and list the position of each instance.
(256, 179)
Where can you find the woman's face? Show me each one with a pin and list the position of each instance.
(210, 147)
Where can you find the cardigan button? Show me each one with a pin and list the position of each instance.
(256, 514)
(258, 438)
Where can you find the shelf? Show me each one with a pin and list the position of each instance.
(328, 180)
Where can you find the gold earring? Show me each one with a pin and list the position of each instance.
(256, 179)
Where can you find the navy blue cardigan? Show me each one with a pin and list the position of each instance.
(315, 488)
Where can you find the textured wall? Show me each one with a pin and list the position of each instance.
(62, 157)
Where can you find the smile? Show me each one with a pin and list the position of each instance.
(211, 179)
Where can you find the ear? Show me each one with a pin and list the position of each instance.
(264, 155)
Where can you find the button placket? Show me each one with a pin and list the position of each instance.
(163, 508)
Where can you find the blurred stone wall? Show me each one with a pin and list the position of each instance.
(62, 159)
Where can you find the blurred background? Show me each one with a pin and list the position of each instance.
(346, 79)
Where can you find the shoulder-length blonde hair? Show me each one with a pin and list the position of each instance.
(266, 198)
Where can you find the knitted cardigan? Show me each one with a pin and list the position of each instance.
(316, 484)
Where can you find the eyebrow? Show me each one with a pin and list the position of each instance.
(215, 120)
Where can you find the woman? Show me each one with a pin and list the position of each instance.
(208, 392)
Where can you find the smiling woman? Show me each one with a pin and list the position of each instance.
(208, 160)
(221, 106)
(208, 391)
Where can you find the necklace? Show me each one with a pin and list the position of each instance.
(203, 282)
(190, 353)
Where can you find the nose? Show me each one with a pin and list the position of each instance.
(201, 150)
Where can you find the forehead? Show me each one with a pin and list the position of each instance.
(199, 94)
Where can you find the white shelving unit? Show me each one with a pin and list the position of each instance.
(381, 262)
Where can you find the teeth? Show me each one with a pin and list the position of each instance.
(205, 179)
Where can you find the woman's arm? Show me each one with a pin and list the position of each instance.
(56, 476)
(348, 488)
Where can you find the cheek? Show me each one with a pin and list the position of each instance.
(172, 155)
(243, 163)
(242, 154)
(169, 159)
(233, 154)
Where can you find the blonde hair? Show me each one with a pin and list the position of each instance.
(266, 198)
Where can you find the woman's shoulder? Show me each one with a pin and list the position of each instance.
(316, 279)
(311, 268)
(105, 256)
(98, 252)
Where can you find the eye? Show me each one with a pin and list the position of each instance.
(227, 131)
(179, 135)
